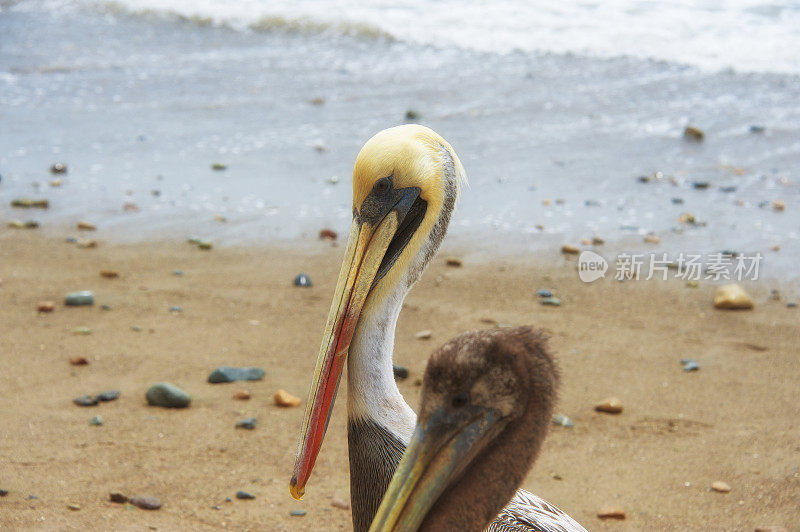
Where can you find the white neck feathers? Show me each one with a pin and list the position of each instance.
(371, 390)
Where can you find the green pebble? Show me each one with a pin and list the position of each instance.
(167, 395)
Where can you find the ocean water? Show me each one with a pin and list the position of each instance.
(555, 111)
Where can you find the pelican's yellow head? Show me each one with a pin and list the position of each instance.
(405, 184)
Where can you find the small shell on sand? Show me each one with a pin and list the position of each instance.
(721, 487)
(284, 398)
(732, 297)
(612, 405)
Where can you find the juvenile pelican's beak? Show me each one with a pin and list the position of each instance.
(366, 248)
(439, 452)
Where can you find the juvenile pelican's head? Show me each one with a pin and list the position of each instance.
(405, 183)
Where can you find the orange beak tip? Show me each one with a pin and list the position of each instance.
(296, 491)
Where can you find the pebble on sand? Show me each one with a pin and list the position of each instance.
(241, 395)
(248, 423)
(455, 262)
(57, 182)
(219, 166)
(19, 224)
(562, 421)
(85, 225)
(86, 243)
(233, 374)
(732, 297)
(205, 244)
(612, 405)
(85, 400)
(109, 274)
(84, 297)
(245, 495)
(96, 421)
(45, 306)
(284, 398)
(302, 280)
(550, 301)
(110, 395)
(400, 372)
(544, 292)
(611, 512)
(167, 395)
(328, 234)
(340, 503)
(721, 487)
(3, 492)
(771, 528)
(82, 330)
(693, 133)
(297, 513)
(652, 239)
(690, 365)
(28, 203)
(569, 249)
(117, 496)
(423, 335)
(74, 507)
(779, 205)
(78, 361)
(58, 168)
(145, 503)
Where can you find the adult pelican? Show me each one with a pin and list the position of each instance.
(487, 401)
(405, 184)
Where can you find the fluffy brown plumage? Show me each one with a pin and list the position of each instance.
(506, 369)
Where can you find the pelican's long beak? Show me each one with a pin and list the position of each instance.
(437, 455)
(367, 245)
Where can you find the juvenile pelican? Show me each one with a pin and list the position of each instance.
(405, 183)
(487, 400)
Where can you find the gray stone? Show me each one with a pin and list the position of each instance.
(110, 395)
(84, 297)
(248, 423)
(297, 513)
(241, 494)
(85, 400)
(562, 420)
(400, 372)
(690, 365)
(303, 280)
(167, 395)
(544, 292)
(550, 301)
(96, 420)
(145, 503)
(232, 374)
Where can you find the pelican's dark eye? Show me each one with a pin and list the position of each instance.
(459, 400)
(382, 185)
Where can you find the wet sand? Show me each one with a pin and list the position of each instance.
(734, 420)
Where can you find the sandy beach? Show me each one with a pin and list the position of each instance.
(734, 420)
(669, 128)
